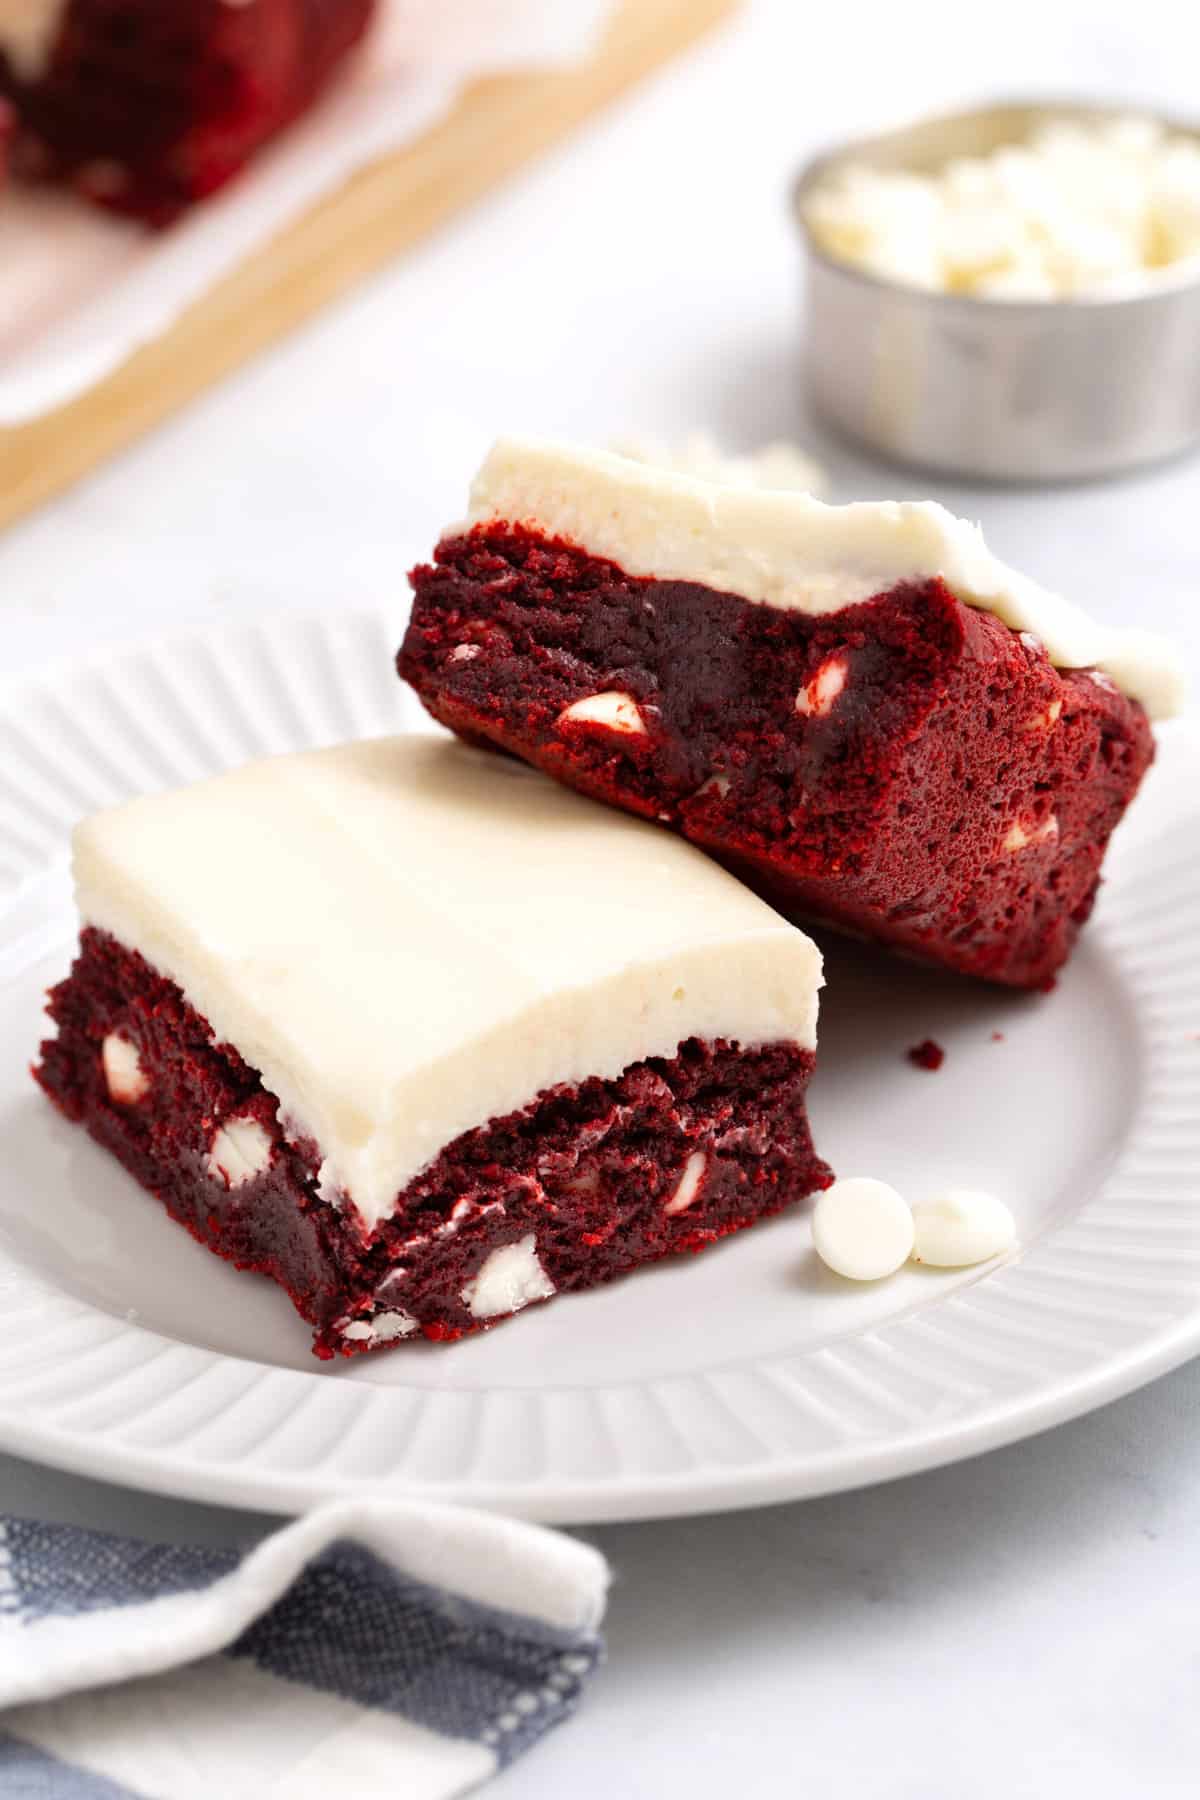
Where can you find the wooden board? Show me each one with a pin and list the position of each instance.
(496, 126)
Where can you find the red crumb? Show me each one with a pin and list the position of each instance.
(926, 1055)
(997, 1037)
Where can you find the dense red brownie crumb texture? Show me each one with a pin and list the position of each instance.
(907, 769)
(589, 1172)
(928, 1054)
(149, 105)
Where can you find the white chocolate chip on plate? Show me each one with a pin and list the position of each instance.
(961, 1226)
(862, 1229)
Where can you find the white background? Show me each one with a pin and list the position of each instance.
(1024, 1625)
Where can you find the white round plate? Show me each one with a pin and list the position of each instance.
(745, 1375)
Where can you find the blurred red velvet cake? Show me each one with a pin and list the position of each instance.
(428, 1040)
(147, 106)
(855, 707)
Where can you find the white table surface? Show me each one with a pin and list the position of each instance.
(1022, 1625)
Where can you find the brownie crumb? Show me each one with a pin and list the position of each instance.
(926, 1055)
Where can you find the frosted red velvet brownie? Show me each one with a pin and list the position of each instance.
(149, 105)
(856, 707)
(426, 1039)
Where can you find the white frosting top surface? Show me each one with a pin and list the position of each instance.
(776, 465)
(408, 938)
(28, 29)
(783, 548)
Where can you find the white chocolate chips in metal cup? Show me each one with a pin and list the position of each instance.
(1082, 207)
(863, 1229)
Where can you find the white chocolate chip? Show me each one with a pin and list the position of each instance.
(508, 1280)
(1018, 836)
(465, 653)
(124, 1075)
(862, 1229)
(961, 1226)
(1045, 721)
(240, 1151)
(689, 1185)
(818, 696)
(384, 1328)
(716, 784)
(1022, 281)
(613, 711)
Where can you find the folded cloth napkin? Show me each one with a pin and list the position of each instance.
(371, 1647)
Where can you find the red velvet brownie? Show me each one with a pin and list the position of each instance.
(855, 707)
(149, 105)
(425, 1039)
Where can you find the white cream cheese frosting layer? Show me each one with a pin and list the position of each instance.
(408, 938)
(28, 29)
(786, 549)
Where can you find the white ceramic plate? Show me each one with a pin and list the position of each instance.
(745, 1375)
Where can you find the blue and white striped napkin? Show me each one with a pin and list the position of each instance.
(413, 1648)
